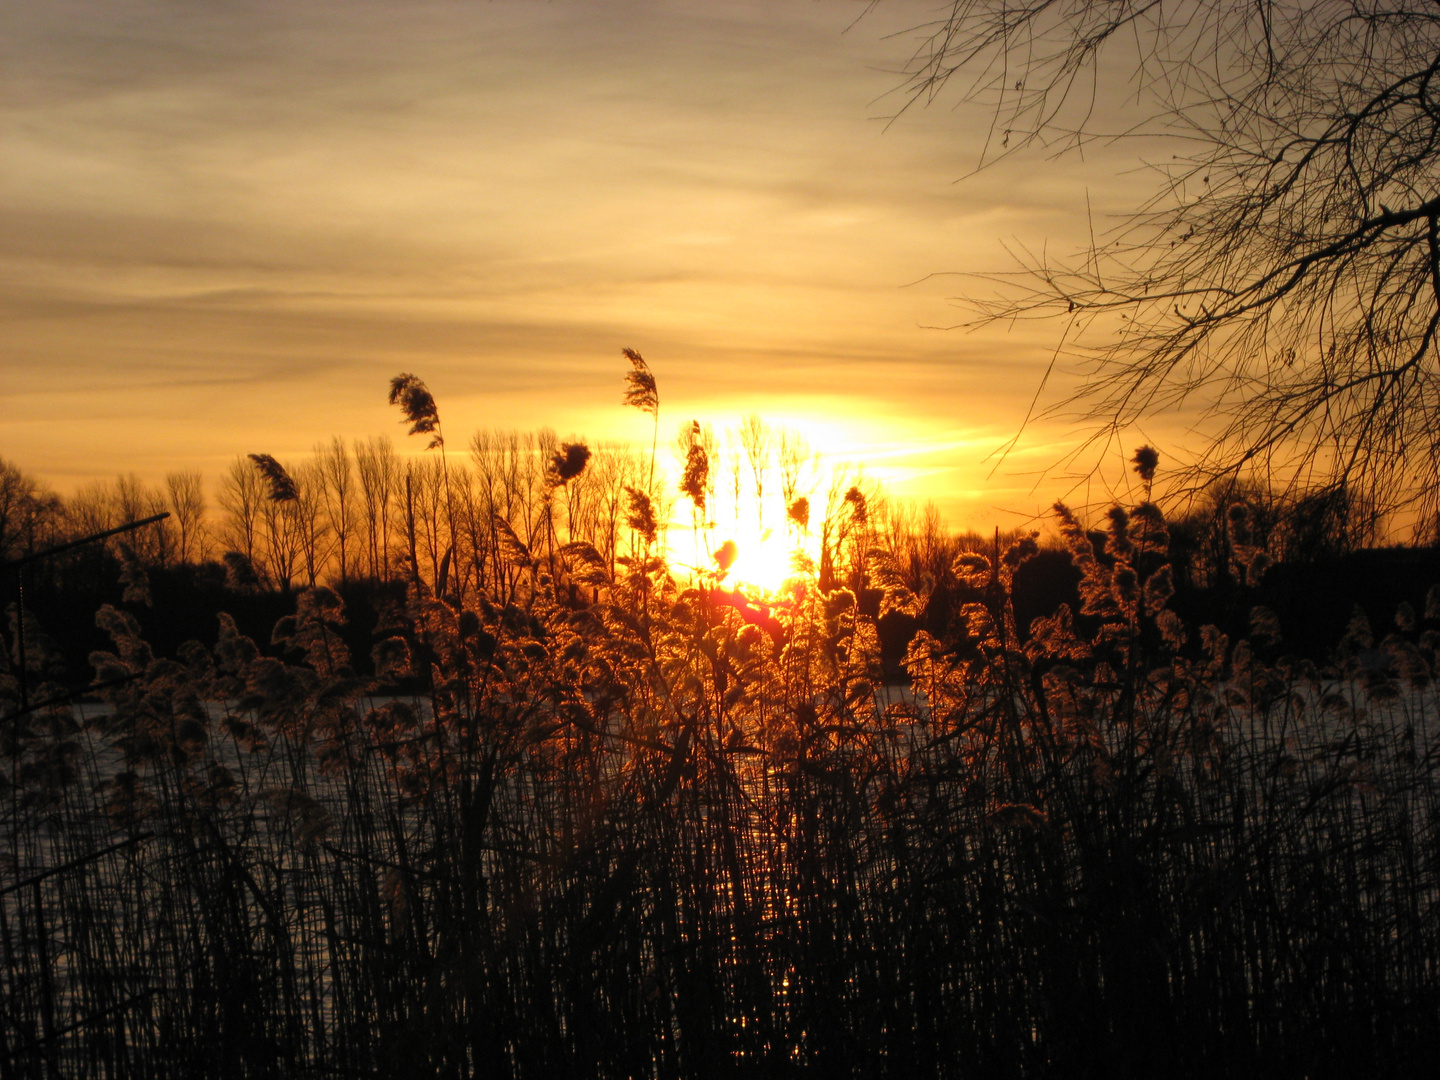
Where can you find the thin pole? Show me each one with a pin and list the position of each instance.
(20, 638)
(18, 565)
(42, 555)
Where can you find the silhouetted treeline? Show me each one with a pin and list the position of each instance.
(1319, 565)
(365, 520)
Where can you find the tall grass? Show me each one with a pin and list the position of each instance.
(628, 832)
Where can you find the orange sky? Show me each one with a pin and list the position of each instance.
(226, 226)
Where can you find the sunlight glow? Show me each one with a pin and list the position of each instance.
(766, 561)
(762, 561)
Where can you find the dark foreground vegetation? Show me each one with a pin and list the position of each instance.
(634, 830)
(542, 803)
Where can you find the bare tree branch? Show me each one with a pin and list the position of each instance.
(1284, 279)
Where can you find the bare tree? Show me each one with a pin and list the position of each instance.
(283, 540)
(921, 545)
(846, 527)
(757, 439)
(487, 454)
(428, 510)
(412, 503)
(378, 468)
(30, 516)
(509, 478)
(795, 458)
(186, 491)
(473, 530)
(242, 490)
(613, 470)
(311, 522)
(133, 500)
(734, 472)
(338, 475)
(1285, 276)
(91, 509)
(546, 443)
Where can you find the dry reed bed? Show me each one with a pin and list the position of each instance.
(641, 837)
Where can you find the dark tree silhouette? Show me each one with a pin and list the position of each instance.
(1285, 275)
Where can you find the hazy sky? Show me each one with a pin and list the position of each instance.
(224, 226)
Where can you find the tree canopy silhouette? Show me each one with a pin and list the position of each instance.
(1284, 277)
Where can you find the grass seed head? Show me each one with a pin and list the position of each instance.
(417, 406)
(282, 486)
(641, 517)
(1264, 625)
(640, 390)
(1145, 461)
(240, 573)
(568, 462)
(859, 509)
(697, 469)
(799, 512)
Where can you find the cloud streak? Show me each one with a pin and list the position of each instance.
(205, 203)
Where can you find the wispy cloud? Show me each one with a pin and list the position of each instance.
(497, 195)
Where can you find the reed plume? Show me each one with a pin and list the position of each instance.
(697, 468)
(417, 405)
(240, 573)
(859, 509)
(799, 512)
(282, 486)
(133, 577)
(568, 462)
(1146, 461)
(641, 517)
(641, 393)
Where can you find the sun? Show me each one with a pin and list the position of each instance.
(765, 561)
